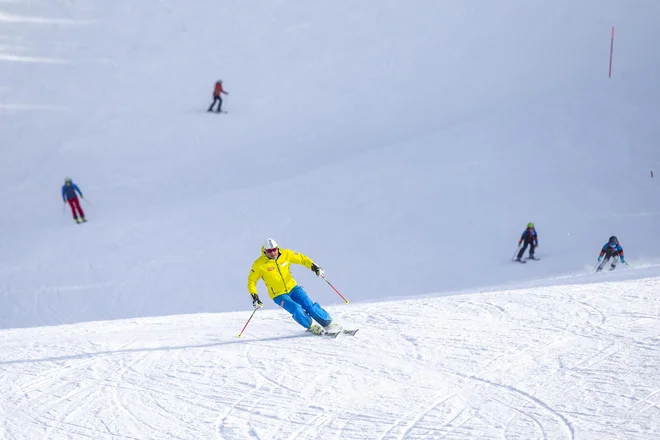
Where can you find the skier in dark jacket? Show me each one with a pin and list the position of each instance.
(69, 191)
(611, 249)
(529, 238)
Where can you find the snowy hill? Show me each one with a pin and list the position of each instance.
(418, 138)
(403, 146)
(570, 362)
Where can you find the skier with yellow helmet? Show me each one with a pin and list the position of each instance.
(529, 238)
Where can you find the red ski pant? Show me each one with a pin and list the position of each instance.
(75, 206)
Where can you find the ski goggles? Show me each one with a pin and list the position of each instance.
(271, 251)
(612, 245)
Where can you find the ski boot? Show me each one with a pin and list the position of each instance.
(316, 329)
(77, 219)
(332, 327)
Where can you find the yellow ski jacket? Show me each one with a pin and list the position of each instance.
(276, 273)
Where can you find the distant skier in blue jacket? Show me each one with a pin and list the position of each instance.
(69, 191)
(529, 238)
(611, 249)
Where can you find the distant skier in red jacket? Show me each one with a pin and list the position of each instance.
(217, 96)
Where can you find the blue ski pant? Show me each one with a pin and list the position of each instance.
(302, 308)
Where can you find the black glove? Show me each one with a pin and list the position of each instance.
(317, 270)
(256, 302)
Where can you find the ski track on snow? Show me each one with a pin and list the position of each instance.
(448, 368)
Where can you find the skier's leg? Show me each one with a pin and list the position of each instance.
(606, 258)
(615, 260)
(73, 210)
(294, 308)
(531, 250)
(212, 104)
(219, 104)
(79, 208)
(317, 312)
(522, 251)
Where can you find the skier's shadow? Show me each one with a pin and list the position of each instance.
(146, 350)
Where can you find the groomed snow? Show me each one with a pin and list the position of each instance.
(401, 145)
(558, 362)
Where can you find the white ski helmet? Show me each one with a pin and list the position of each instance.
(270, 244)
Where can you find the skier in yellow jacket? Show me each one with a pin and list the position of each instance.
(274, 268)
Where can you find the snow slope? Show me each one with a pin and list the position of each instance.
(403, 146)
(387, 141)
(570, 362)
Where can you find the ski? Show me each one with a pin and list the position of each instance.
(335, 334)
(520, 261)
(326, 334)
(342, 332)
(534, 258)
(600, 269)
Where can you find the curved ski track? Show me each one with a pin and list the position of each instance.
(551, 363)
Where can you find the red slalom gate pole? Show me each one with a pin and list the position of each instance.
(333, 288)
(611, 53)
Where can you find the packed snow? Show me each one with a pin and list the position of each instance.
(403, 146)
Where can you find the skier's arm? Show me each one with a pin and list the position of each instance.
(64, 193)
(75, 188)
(536, 239)
(253, 277)
(522, 237)
(298, 258)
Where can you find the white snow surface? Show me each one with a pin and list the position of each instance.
(401, 145)
(563, 362)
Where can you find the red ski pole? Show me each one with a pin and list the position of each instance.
(248, 321)
(333, 288)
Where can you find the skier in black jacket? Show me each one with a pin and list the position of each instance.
(529, 238)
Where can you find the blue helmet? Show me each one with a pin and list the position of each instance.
(613, 241)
